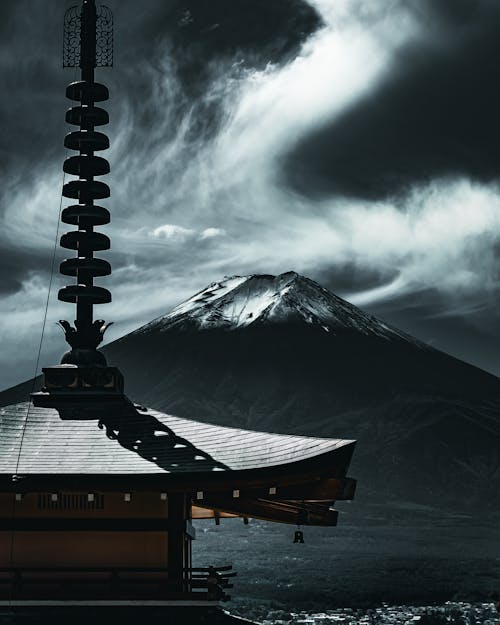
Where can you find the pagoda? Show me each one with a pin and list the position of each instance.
(98, 494)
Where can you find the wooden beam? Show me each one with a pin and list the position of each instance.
(276, 510)
(176, 539)
(318, 489)
(198, 512)
(30, 524)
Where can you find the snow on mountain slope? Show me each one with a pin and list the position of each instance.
(241, 301)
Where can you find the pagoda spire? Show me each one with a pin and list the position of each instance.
(83, 383)
(82, 30)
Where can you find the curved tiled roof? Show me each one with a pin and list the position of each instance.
(141, 442)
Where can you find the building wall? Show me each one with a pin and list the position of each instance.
(117, 543)
(54, 549)
(73, 529)
(72, 504)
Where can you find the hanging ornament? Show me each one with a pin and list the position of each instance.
(302, 519)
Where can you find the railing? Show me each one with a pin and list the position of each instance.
(214, 579)
(125, 583)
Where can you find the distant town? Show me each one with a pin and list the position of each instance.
(455, 613)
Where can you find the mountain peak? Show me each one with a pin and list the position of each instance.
(263, 299)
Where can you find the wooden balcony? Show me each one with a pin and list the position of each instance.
(28, 584)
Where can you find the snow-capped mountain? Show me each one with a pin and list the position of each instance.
(241, 301)
(281, 353)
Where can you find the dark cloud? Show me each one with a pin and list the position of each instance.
(10, 275)
(254, 34)
(435, 114)
(245, 34)
(29, 64)
(17, 265)
(344, 279)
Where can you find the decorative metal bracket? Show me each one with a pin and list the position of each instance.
(72, 37)
(104, 37)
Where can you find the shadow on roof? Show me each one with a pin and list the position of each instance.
(138, 431)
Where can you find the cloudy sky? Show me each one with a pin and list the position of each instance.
(354, 141)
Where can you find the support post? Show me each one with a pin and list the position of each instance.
(176, 541)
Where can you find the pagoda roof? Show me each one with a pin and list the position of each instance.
(40, 441)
